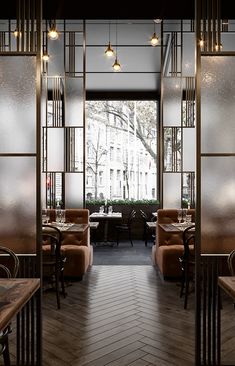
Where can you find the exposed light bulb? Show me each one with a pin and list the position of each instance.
(45, 57)
(201, 43)
(116, 66)
(218, 47)
(53, 33)
(16, 33)
(154, 40)
(109, 52)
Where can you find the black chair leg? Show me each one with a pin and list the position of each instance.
(182, 284)
(117, 238)
(6, 354)
(130, 238)
(62, 283)
(57, 290)
(186, 287)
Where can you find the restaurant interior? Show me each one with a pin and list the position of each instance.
(133, 262)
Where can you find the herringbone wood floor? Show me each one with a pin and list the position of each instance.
(124, 315)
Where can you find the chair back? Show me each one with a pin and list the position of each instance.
(131, 216)
(51, 236)
(231, 262)
(143, 215)
(9, 268)
(188, 240)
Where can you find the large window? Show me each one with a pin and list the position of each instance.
(122, 137)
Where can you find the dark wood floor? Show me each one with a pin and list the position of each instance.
(119, 315)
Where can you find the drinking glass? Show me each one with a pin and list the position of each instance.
(101, 209)
(180, 215)
(62, 217)
(45, 216)
(184, 212)
(58, 215)
(110, 209)
(188, 219)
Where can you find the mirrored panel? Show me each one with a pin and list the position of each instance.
(217, 104)
(189, 158)
(18, 203)
(172, 190)
(218, 204)
(55, 149)
(74, 190)
(18, 104)
(172, 95)
(74, 104)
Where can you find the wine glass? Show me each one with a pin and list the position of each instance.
(180, 216)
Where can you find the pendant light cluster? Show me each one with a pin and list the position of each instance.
(109, 52)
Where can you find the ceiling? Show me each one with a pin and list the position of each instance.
(165, 9)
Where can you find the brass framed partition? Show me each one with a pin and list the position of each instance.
(63, 119)
(20, 165)
(215, 177)
(177, 116)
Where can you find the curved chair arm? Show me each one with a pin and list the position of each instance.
(10, 272)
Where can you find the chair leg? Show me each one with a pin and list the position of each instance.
(62, 283)
(182, 284)
(117, 237)
(6, 354)
(186, 286)
(57, 289)
(130, 238)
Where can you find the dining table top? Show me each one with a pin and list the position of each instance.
(227, 283)
(102, 215)
(14, 294)
(175, 227)
(68, 227)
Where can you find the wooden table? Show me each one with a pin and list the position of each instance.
(106, 217)
(174, 229)
(227, 283)
(69, 228)
(14, 294)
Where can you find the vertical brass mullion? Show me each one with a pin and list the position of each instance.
(18, 25)
(27, 24)
(32, 13)
(9, 35)
(210, 45)
(23, 27)
(218, 23)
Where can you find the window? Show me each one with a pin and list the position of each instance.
(123, 137)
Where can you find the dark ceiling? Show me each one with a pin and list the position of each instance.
(164, 9)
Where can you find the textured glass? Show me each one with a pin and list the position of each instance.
(218, 204)
(18, 203)
(55, 149)
(172, 95)
(171, 190)
(74, 190)
(74, 105)
(217, 104)
(189, 142)
(17, 104)
(56, 52)
(188, 62)
(78, 146)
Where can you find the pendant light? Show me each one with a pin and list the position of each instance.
(109, 52)
(53, 33)
(116, 66)
(154, 39)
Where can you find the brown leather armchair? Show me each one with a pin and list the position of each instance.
(169, 247)
(76, 247)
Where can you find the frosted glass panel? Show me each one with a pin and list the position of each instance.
(78, 146)
(17, 104)
(171, 190)
(73, 190)
(218, 104)
(188, 64)
(18, 203)
(55, 149)
(218, 204)
(172, 96)
(74, 102)
(189, 142)
(56, 52)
